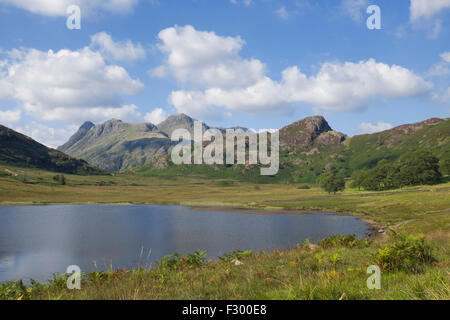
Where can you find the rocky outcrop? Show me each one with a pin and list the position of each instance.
(116, 145)
(414, 127)
(308, 132)
(180, 121)
(84, 129)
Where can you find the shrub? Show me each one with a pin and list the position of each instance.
(349, 241)
(172, 261)
(176, 261)
(12, 290)
(197, 258)
(4, 174)
(304, 187)
(224, 183)
(235, 255)
(60, 179)
(409, 253)
(109, 183)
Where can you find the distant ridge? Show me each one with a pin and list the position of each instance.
(19, 150)
(308, 146)
(115, 145)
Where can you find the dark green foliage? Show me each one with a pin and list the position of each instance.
(384, 176)
(235, 255)
(358, 178)
(12, 290)
(349, 241)
(413, 168)
(60, 179)
(17, 290)
(332, 182)
(225, 183)
(110, 183)
(409, 253)
(177, 261)
(445, 167)
(420, 167)
(197, 258)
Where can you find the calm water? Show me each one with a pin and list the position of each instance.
(37, 241)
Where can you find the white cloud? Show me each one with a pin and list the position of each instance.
(205, 59)
(427, 8)
(446, 56)
(354, 8)
(157, 116)
(442, 68)
(220, 78)
(66, 85)
(59, 7)
(116, 51)
(337, 86)
(441, 96)
(367, 127)
(282, 13)
(243, 2)
(10, 116)
(97, 114)
(48, 136)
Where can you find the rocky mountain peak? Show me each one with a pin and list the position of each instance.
(303, 133)
(87, 126)
(77, 136)
(179, 121)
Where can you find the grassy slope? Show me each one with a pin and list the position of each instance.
(359, 152)
(302, 273)
(20, 150)
(295, 274)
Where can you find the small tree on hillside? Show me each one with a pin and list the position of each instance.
(331, 182)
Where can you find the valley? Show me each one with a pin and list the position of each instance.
(333, 268)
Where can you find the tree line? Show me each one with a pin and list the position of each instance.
(411, 169)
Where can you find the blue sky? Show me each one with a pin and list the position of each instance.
(258, 64)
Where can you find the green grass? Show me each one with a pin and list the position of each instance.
(307, 272)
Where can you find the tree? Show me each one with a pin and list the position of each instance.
(60, 178)
(358, 179)
(419, 167)
(331, 182)
(414, 168)
(384, 176)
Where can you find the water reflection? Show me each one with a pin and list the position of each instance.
(37, 241)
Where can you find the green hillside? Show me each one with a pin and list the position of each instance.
(19, 150)
(310, 147)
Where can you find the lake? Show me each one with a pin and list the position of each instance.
(37, 241)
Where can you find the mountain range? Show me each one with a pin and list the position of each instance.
(307, 147)
(116, 145)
